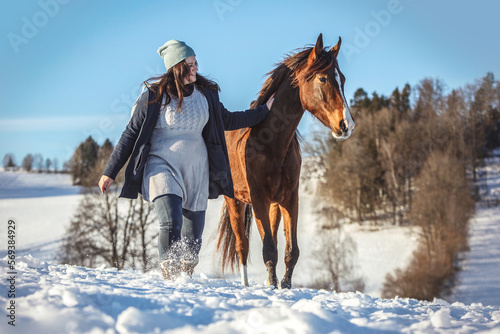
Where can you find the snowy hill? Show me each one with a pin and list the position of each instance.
(42, 206)
(35, 185)
(69, 299)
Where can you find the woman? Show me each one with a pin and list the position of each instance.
(178, 156)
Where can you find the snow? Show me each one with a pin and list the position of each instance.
(479, 278)
(42, 206)
(42, 217)
(32, 185)
(54, 298)
(381, 251)
(441, 318)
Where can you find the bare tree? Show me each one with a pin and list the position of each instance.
(335, 254)
(430, 99)
(48, 164)
(442, 208)
(38, 162)
(108, 231)
(55, 162)
(28, 162)
(443, 204)
(425, 278)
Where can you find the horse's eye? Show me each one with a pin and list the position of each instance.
(323, 79)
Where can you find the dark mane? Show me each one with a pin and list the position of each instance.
(293, 67)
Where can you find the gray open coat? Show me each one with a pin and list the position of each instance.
(134, 143)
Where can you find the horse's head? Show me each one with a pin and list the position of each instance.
(321, 85)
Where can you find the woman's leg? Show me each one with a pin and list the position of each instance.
(169, 211)
(192, 230)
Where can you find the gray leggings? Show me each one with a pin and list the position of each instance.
(176, 222)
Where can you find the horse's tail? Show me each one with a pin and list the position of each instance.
(227, 238)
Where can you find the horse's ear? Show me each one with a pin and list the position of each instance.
(317, 49)
(336, 49)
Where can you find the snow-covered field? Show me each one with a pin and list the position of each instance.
(54, 298)
(67, 299)
(42, 206)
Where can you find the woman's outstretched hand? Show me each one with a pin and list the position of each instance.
(105, 183)
(269, 102)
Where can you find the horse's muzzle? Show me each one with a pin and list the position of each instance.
(345, 130)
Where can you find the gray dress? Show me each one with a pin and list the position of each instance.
(178, 161)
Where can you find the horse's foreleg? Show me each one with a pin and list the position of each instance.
(269, 250)
(237, 216)
(290, 212)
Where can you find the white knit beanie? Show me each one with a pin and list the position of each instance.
(173, 52)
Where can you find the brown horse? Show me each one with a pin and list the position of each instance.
(265, 159)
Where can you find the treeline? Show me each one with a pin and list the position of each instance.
(33, 163)
(88, 162)
(104, 229)
(411, 163)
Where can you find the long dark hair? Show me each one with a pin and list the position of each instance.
(172, 84)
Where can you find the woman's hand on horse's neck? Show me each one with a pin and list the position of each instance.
(270, 102)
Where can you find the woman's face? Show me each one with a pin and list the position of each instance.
(193, 68)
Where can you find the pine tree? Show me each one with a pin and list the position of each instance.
(83, 162)
(395, 100)
(405, 100)
(8, 161)
(361, 99)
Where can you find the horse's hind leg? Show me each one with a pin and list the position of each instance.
(237, 216)
(290, 212)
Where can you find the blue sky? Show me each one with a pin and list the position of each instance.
(73, 68)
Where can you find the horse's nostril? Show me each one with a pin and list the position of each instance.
(343, 126)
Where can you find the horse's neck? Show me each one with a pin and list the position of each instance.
(284, 118)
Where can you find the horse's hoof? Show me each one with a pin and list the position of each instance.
(286, 283)
(273, 283)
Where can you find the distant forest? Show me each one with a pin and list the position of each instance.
(412, 160)
(33, 163)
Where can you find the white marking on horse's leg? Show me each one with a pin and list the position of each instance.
(244, 275)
